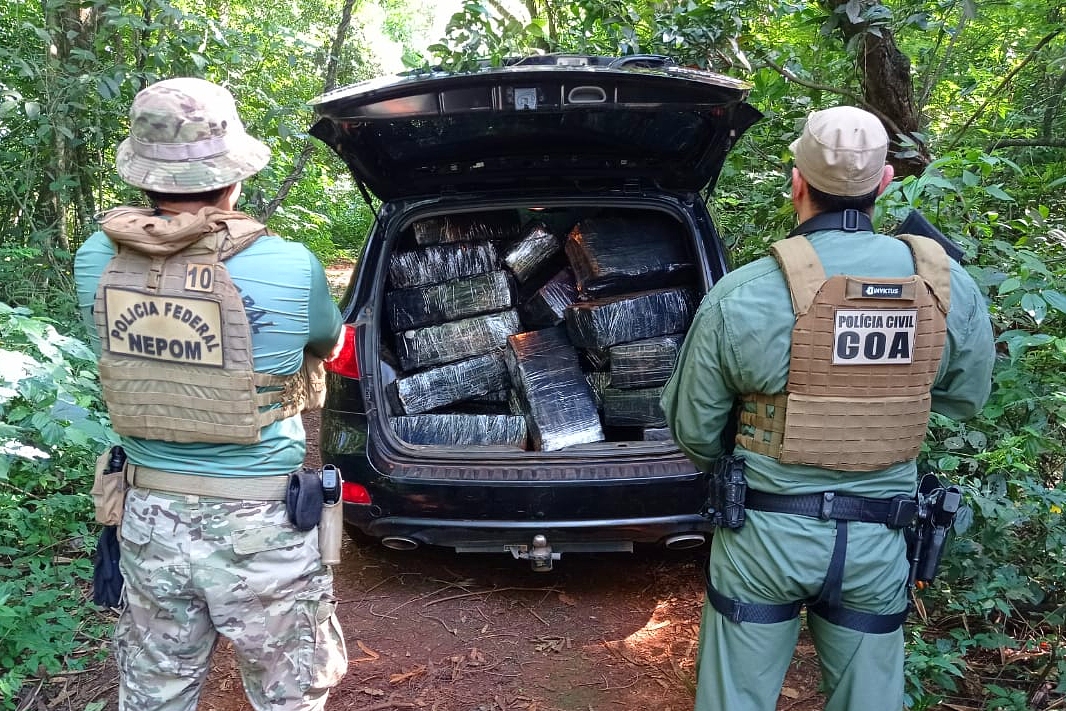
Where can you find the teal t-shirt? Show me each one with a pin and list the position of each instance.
(739, 343)
(289, 307)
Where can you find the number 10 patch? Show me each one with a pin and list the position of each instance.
(200, 277)
(874, 337)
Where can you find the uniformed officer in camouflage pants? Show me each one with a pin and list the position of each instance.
(835, 348)
(203, 321)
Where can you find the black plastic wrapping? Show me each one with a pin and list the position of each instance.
(448, 301)
(495, 403)
(472, 227)
(546, 306)
(604, 322)
(633, 407)
(432, 265)
(658, 434)
(454, 382)
(559, 405)
(449, 429)
(535, 247)
(645, 363)
(598, 382)
(611, 255)
(455, 340)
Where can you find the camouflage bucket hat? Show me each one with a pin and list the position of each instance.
(186, 137)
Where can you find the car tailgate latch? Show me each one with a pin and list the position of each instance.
(539, 555)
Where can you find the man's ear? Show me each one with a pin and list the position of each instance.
(799, 185)
(886, 178)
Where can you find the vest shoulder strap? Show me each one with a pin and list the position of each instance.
(931, 264)
(802, 269)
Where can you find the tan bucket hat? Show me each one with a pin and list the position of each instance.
(842, 151)
(186, 137)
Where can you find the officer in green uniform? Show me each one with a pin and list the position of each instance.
(835, 348)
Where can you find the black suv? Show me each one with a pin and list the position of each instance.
(539, 252)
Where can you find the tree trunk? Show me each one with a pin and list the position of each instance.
(328, 83)
(887, 87)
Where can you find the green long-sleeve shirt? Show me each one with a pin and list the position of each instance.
(739, 343)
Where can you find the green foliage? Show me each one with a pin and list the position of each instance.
(52, 430)
(1005, 576)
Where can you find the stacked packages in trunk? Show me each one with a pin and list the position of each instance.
(574, 337)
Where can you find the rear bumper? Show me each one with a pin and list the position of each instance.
(563, 536)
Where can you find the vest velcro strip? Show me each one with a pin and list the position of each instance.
(190, 430)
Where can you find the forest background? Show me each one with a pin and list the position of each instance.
(972, 94)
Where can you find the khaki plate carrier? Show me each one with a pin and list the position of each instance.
(851, 417)
(176, 346)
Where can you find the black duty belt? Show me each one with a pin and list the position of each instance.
(897, 512)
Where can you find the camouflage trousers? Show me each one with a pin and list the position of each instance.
(197, 567)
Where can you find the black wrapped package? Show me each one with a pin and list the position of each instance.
(612, 255)
(469, 227)
(448, 301)
(546, 306)
(645, 363)
(455, 340)
(601, 323)
(454, 382)
(559, 406)
(598, 382)
(432, 265)
(494, 403)
(633, 407)
(535, 247)
(450, 429)
(658, 434)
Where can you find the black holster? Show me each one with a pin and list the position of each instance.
(926, 539)
(728, 487)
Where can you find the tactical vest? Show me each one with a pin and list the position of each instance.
(176, 346)
(865, 353)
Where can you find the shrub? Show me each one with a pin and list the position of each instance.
(52, 426)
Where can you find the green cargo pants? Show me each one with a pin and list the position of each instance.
(781, 558)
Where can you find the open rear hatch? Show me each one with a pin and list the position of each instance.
(598, 122)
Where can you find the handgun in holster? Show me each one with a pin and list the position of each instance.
(727, 489)
(938, 505)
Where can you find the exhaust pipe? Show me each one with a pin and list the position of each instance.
(399, 543)
(684, 541)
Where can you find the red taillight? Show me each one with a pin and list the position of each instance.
(346, 362)
(354, 493)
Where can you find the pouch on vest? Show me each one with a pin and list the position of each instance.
(313, 373)
(109, 486)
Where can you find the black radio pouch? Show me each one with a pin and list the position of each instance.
(303, 500)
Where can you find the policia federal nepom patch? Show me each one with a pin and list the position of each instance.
(171, 328)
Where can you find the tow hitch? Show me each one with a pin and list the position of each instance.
(539, 555)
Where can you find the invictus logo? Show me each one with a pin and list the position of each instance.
(883, 291)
